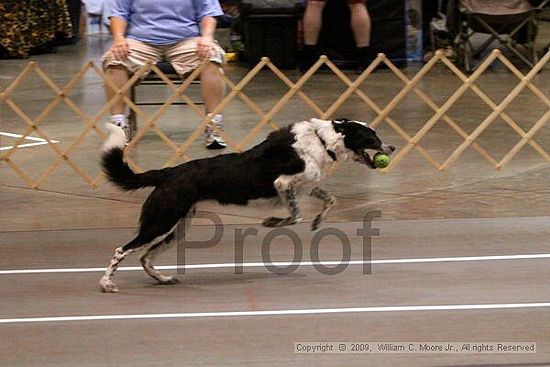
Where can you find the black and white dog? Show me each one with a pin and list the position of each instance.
(276, 168)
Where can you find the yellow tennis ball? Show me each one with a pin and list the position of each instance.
(381, 160)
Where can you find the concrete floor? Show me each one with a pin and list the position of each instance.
(470, 214)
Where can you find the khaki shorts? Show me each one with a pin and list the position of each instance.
(182, 55)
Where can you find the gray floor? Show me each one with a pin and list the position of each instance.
(448, 226)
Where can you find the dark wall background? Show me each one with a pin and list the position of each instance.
(387, 33)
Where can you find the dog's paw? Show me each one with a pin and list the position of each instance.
(107, 286)
(168, 280)
(279, 222)
(316, 222)
(272, 222)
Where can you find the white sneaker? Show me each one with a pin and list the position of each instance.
(212, 140)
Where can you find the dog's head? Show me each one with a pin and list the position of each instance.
(358, 138)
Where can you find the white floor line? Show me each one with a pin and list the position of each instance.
(39, 141)
(315, 311)
(12, 135)
(24, 145)
(287, 263)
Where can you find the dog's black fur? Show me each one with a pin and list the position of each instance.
(232, 178)
(274, 168)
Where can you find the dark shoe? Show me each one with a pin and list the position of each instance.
(364, 58)
(310, 56)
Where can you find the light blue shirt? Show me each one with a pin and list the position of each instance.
(164, 22)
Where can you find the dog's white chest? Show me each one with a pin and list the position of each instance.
(312, 150)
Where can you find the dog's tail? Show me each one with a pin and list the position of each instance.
(117, 170)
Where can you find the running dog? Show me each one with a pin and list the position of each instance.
(288, 159)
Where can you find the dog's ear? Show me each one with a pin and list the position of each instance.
(340, 120)
(338, 126)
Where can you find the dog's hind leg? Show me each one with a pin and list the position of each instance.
(144, 238)
(106, 282)
(328, 203)
(285, 189)
(153, 251)
(151, 254)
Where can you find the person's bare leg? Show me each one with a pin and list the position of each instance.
(361, 27)
(119, 75)
(212, 91)
(360, 24)
(212, 86)
(313, 20)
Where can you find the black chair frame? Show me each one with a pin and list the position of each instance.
(506, 29)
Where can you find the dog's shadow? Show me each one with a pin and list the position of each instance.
(224, 279)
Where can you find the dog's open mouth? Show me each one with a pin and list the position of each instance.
(363, 156)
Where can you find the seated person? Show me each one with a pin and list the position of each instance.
(360, 24)
(178, 31)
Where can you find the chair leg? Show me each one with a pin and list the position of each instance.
(532, 30)
(132, 118)
(461, 43)
(468, 56)
(432, 37)
(535, 55)
(468, 50)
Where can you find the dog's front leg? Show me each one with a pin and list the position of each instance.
(328, 203)
(287, 193)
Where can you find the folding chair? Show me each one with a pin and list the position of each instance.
(154, 79)
(510, 30)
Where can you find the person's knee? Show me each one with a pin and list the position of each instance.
(212, 71)
(116, 67)
(316, 4)
(357, 5)
(117, 74)
(118, 71)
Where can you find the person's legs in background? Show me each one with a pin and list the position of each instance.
(212, 91)
(361, 27)
(360, 24)
(184, 59)
(119, 73)
(313, 20)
